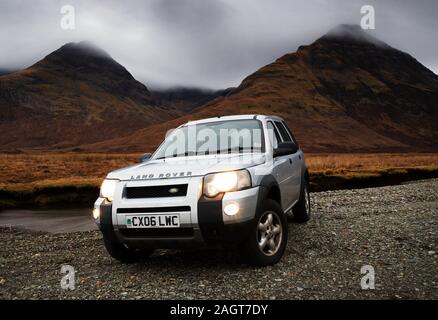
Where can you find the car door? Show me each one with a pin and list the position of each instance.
(281, 168)
(295, 160)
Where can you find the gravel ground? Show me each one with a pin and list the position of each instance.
(394, 229)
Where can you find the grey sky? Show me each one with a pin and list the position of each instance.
(207, 43)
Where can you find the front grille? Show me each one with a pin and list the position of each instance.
(177, 190)
(157, 232)
(153, 210)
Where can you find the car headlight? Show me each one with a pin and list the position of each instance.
(216, 183)
(108, 188)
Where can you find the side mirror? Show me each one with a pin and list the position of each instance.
(285, 148)
(145, 157)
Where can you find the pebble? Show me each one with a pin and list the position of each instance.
(390, 228)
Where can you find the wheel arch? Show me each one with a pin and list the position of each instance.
(274, 194)
(269, 189)
(306, 175)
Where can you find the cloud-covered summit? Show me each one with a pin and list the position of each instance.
(213, 43)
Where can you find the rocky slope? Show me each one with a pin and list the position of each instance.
(77, 94)
(346, 92)
(184, 99)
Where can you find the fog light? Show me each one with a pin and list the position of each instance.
(231, 209)
(96, 213)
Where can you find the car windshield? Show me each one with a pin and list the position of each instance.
(218, 137)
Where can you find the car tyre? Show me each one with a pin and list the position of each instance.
(302, 211)
(267, 237)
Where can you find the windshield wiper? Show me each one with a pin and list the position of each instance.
(239, 149)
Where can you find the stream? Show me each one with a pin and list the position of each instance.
(49, 220)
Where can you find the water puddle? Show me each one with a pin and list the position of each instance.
(52, 220)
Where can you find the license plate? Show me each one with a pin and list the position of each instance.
(153, 221)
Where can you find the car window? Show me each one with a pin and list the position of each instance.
(283, 131)
(290, 133)
(273, 135)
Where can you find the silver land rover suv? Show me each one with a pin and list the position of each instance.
(233, 180)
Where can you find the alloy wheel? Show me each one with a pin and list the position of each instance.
(269, 233)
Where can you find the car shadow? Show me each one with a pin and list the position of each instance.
(202, 258)
(215, 257)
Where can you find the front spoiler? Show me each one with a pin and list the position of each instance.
(209, 229)
(208, 234)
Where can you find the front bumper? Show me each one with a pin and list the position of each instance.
(204, 223)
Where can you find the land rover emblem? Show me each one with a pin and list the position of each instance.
(173, 190)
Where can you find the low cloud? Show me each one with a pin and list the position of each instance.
(205, 43)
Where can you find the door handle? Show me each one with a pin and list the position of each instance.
(290, 160)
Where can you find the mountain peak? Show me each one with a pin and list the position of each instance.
(352, 33)
(77, 94)
(83, 48)
(87, 57)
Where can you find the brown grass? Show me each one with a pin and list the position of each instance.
(366, 164)
(58, 169)
(27, 172)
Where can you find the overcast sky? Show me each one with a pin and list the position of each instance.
(206, 43)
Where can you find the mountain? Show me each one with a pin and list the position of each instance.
(345, 92)
(186, 99)
(77, 94)
(5, 71)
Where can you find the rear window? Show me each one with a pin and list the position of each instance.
(283, 131)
